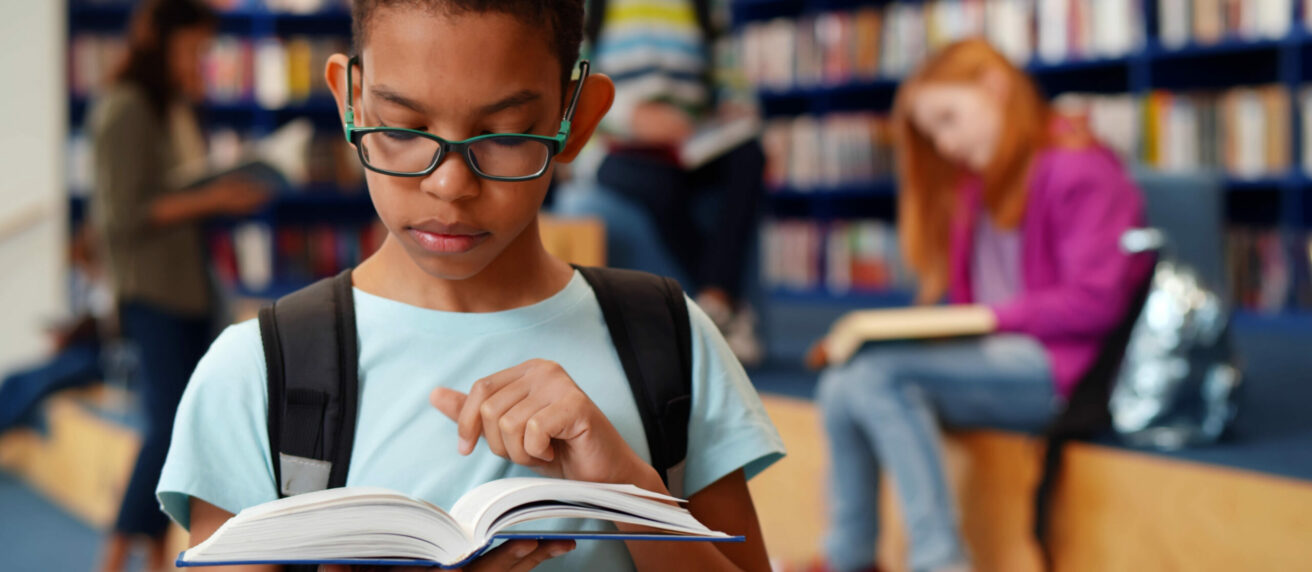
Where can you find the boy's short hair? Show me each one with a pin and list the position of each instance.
(562, 18)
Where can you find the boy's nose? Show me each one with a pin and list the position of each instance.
(452, 180)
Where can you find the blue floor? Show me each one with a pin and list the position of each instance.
(35, 535)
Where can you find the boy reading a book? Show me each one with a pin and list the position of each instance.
(480, 355)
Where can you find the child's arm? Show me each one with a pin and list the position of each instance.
(207, 518)
(535, 415)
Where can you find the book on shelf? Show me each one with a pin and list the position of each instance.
(839, 257)
(890, 40)
(1267, 269)
(255, 255)
(1206, 22)
(806, 152)
(1243, 131)
(269, 71)
(370, 525)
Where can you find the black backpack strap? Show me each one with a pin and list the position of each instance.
(647, 316)
(1085, 416)
(312, 356)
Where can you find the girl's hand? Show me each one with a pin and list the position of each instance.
(536, 416)
(513, 556)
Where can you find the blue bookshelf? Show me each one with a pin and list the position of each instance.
(314, 203)
(1281, 201)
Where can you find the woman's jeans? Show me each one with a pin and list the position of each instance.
(170, 345)
(880, 411)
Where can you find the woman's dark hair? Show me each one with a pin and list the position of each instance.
(153, 25)
(562, 20)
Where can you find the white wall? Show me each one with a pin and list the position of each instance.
(33, 129)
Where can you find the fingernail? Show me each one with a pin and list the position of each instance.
(557, 551)
(466, 446)
(522, 551)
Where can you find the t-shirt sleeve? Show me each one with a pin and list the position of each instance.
(219, 452)
(728, 429)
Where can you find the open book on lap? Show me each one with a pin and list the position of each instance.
(370, 525)
(854, 329)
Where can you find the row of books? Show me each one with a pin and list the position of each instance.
(840, 257)
(255, 256)
(1203, 22)
(271, 71)
(1266, 270)
(889, 41)
(808, 152)
(327, 161)
(1245, 132)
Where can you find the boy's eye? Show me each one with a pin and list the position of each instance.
(509, 141)
(400, 135)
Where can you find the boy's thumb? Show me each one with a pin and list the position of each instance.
(448, 401)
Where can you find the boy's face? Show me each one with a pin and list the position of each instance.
(457, 77)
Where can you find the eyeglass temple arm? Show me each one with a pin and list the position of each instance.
(584, 67)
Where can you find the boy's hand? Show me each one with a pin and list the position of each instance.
(535, 415)
(513, 556)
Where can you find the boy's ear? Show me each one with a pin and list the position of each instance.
(595, 99)
(335, 74)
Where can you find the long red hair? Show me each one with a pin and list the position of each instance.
(928, 181)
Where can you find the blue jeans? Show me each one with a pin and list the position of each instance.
(170, 346)
(21, 392)
(880, 410)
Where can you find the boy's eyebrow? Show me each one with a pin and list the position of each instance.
(390, 95)
(514, 100)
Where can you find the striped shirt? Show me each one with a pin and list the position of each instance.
(654, 50)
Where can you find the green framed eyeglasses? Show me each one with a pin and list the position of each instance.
(403, 152)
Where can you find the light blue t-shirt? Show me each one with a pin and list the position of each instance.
(220, 450)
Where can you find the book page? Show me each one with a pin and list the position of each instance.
(493, 506)
(342, 523)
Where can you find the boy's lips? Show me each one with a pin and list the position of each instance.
(442, 238)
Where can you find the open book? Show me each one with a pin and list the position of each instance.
(854, 329)
(716, 139)
(369, 525)
(278, 161)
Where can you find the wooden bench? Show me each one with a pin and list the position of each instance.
(1115, 509)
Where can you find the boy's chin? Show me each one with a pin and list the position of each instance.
(461, 266)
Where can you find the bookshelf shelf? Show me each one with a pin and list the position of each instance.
(1225, 46)
(1269, 55)
(310, 208)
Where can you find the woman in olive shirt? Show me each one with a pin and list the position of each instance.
(143, 129)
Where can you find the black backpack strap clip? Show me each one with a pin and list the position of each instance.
(312, 356)
(647, 316)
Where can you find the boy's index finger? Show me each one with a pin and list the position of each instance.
(448, 401)
(469, 420)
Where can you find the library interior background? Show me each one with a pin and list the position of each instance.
(1200, 456)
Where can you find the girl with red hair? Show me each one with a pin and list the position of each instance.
(1015, 215)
